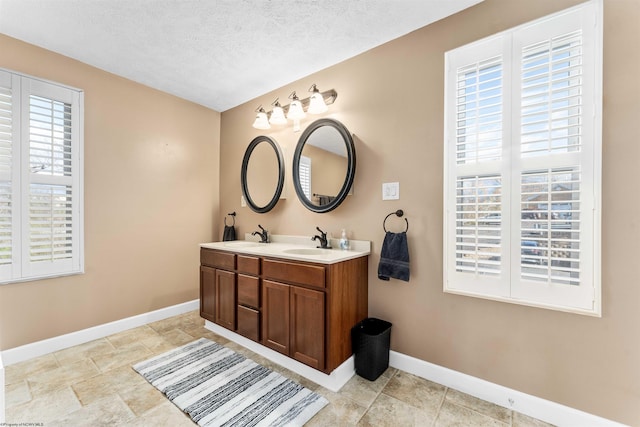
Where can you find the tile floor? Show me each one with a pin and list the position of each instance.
(93, 384)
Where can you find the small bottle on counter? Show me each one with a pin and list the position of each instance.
(344, 241)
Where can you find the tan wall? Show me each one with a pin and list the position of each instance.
(151, 183)
(391, 98)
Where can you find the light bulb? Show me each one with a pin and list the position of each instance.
(277, 116)
(295, 108)
(261, 122)
(316, 102)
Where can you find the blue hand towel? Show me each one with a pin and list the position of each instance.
(394, 257)
(229, 233)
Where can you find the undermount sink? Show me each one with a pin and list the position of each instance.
(305, 251)
(241, 244)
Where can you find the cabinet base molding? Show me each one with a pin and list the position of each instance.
(333, 381)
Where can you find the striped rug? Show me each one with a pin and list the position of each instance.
(216, 386)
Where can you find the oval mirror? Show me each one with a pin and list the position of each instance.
(324, 165)
(262, 174)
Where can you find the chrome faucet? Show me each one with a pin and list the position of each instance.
(264, 234)
(322, 238)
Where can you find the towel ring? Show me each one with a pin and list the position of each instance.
(398, 213)
(233, 215)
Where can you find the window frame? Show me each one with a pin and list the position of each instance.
(510, 286)
(21, 268)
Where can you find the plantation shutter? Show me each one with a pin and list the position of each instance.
(305, 175)
(476, 227)
(521, 164)
(554, 139)
(9, 175)
(40, 179)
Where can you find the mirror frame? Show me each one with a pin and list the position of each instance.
(243, 174)
(351, 165)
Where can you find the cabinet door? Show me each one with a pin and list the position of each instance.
(226, 299)
(248, 323)
(207, 293)
(307, 326)
(275, 316)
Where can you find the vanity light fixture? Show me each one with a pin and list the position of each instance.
(315, 104)
(261, 122)
(277, 114)
(295, 108)
(316, 101)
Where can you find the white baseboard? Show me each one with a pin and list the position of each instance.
(39, 348)
(545, 410)
(333, 381)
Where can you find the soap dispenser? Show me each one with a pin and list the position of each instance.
(344, 241)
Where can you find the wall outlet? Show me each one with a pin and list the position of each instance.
(391, 191)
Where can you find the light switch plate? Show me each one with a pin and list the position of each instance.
(390, 191)
(243, 202)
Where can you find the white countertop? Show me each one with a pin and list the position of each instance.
(300, 248)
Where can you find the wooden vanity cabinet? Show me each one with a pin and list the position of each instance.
(275, 316)
(309, 309)
(208, 293)
(225, 305)
(294, 314)
(302, 309)
(218, 287)
(249, 301)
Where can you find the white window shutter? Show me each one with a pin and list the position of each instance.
(522, 156)
(41, 229)
(305, 175)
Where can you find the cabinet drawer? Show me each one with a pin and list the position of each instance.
(248, 291)
(288, 271)
(248, 265)
(224, 260)
(249, 323)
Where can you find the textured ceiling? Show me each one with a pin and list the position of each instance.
(218, 53)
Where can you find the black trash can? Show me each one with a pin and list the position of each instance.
(370, 341)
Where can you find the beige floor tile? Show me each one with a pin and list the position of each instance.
(521, 420)
(20, 371)
(177, 322)
(363, 391)
(94, 384)
(111, 411)
(215, 337)
(389, 411)
(48, 381)
(125, 356)
(16, 394)
(158, 344)
(44, 409)
(126, 338)
(107, 384)
(142, 398)
(177, 337)
(341, 411)
(196, 331)
(83, 351)
(451, 415)
(479, 405)
(166, 414)
(418, 392)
